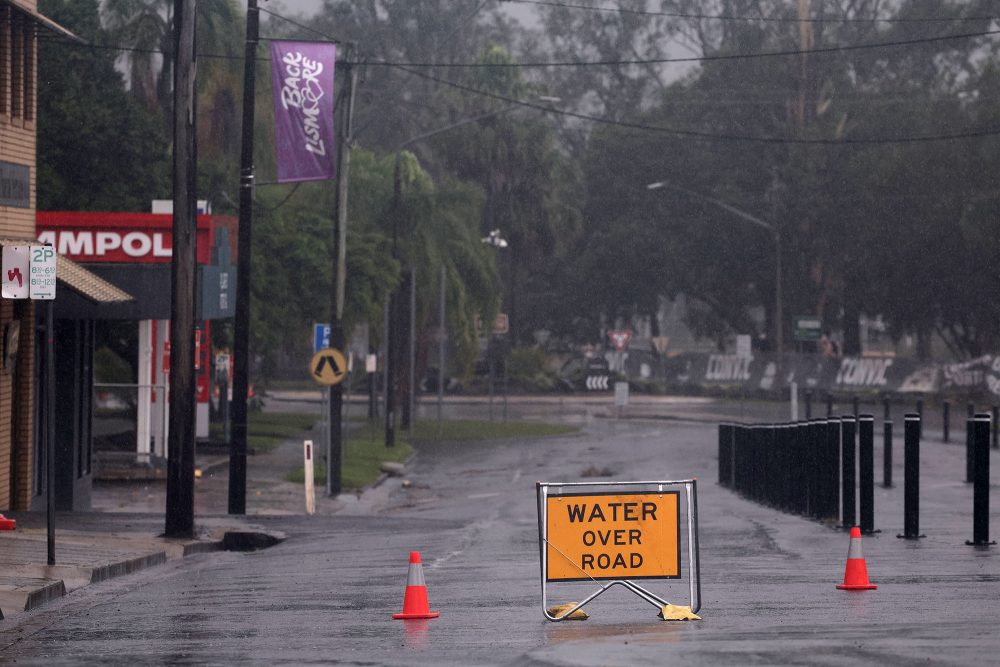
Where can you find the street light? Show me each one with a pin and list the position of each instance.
(391, 335)
(494, 239)
(743, 215)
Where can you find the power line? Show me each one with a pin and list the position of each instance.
(771, 19)
(297, 24)
(692, 59)
(576, 63)
(696, 134)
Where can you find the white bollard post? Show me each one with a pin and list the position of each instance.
(794, 388)
(310, 483)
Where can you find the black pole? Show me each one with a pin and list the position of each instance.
(183, 279)
(886, 409)
(911, 477)
(866, 472)
(887, 454)
(241, 323)
(338, 339)
(829, 405)
(392, 342)
(946, 420)
(848, 474)
(50, 432)
(854, 406)
(981, 490)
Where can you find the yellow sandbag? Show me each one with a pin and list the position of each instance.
(675, 612)
(560, 609)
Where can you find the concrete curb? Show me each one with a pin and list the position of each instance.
(28, 582)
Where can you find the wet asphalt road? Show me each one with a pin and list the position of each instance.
(325, 595)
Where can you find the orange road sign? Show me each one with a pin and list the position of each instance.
(328, 366)
(613, 536)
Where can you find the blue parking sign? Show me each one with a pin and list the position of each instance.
(321, 337)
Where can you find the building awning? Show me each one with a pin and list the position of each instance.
(87, 284)
(43, 21)
(69, 274)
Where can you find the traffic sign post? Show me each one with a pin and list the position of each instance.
(808, 328)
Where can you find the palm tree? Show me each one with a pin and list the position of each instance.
(144, 27)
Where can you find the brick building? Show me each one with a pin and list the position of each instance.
(21, 454)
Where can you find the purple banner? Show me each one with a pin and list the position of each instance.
(302, 80)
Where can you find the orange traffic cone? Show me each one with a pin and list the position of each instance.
(856, 574)
(7, 524)
(415, 603)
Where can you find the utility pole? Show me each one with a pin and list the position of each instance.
(337, 337)
(241, 328)
(180, 440)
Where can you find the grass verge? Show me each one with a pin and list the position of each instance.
(364, 452)
(365, 449)
(267, 430)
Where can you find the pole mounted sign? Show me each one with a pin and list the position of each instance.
(321, 337)
(328, 366)
(29, 272)
(620, 339)
(617, 532)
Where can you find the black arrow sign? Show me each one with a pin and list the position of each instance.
(323, 362)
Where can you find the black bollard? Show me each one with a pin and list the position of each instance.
(740, 461)
(817, 437)
(848, 476)
(887, 454)
(946, 420)
(969, 463)
(725, 454)
(830, 472)
(970, 411)
(911, 477)
(886, 409)
(981, 490)
(809, 404)
(866, 472)
(994, 430)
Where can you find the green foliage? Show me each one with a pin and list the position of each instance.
(98, 150)
(110, 368)
(364, 452)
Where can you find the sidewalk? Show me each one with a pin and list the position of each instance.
(91, 547)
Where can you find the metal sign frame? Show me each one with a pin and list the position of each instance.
(690, 493)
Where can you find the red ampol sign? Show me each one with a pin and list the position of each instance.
(123, 238)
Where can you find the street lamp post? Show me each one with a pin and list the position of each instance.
(779, 337)
(392, 357)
